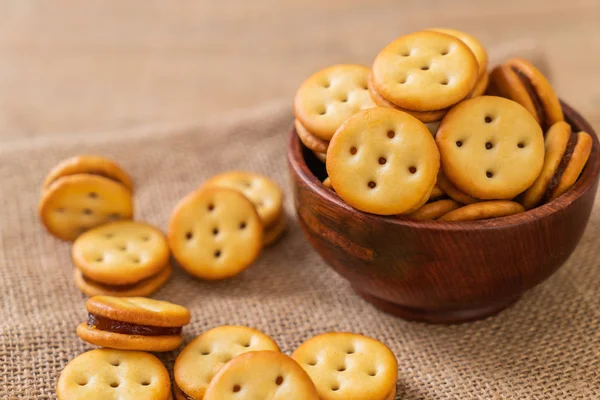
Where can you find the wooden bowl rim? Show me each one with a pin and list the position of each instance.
(583, 185)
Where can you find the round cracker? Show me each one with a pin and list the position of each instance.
(122, 341)
(121, 253)
(348, 366)
(555, 143)
(204, 356)
(311, 141)
(106, 374)
(483, 210)
(383, 161)
(472, 43)
(435, 209)
(331, 96)
(143, 288)
(215, 233)
(89, 164)
(490, 147)
(267, 375)
(139, 310)
(425, 71)
(266, 196)
(75, 203)
(579, 158)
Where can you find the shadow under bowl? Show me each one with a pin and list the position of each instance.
(441, 272)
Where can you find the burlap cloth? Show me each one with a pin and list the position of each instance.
(547, 346)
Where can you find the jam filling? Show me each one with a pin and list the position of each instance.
(128, 328)
(561, 167)
(535, 98)
(117, 288)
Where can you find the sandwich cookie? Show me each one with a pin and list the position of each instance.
(383, 161)
(75, 203)
(276, 231)
(435, 209)
(483, 210)
(566, 155)
(133, 323)
(331, 96)
(103, 374)
(265, 375)
(215, 233)
(490, 147)
(204, 356)
(89, 164)
(348, 366)
(520, 81)
(425, 71)
(122, 258)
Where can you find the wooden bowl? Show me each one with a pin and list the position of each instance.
(441, 272)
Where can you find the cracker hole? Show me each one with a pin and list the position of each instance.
(365, 86)
(205, 353)
(444, 52)
(109, 235)
(123, 247)
(342, 368)
(489, 174)
(135, 260)
(99, 259)
(382, 160)
(145, 383)
(488, 145)
(405, 53)
(344, 99)
(327, 84)
(521, 145)
(425, 68)
(145, 238)
(248, 184)
(350, 351)
(412, 169)
(217, 253)
(402, 81)
(211, 207)
(215, 231)
(335, 388)
(372, 373)
(87, 211)
(115, 363)
(371, 184)
(114, 216)
(188, 235)
(312, 363)
(82, 382)
(93, 195)
(236, 388)
(114, 384)
(353, 150)
(488, 119)
(459, 143)
(60, 210)
(279, 380)
(391, 134)
(247, 344)
(243, 225)
(444, 82)
(323, 111)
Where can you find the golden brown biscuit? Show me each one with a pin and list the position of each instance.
(331, 96)
(449, 189)
(490, 147)
(89, 164)
(436, 192)
(435, 209)
(143, 288)
(204, 356)
(483, 210)
(215, 233)
(75, 203)
(311, 141)
(121, 253)
(133, 323)
(383, 161)
(266, 196)
(425, 71)
(349, 366)
(268, 375)
(520, 81)
(103, 374)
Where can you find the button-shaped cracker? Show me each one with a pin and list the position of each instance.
(203, 357)
(265, 375)
(348, 366)
(483, 210)
(73, 204)
(266, 196)
(142, 288)
(330, 96)
(383, 161)
(490, 147)
(425, 71)
(133, 323)
(121, 253)
(114, 374)
(215, 233)
(89, 164)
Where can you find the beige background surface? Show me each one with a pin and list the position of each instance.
(72, 66)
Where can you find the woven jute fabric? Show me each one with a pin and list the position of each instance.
(546, 346)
